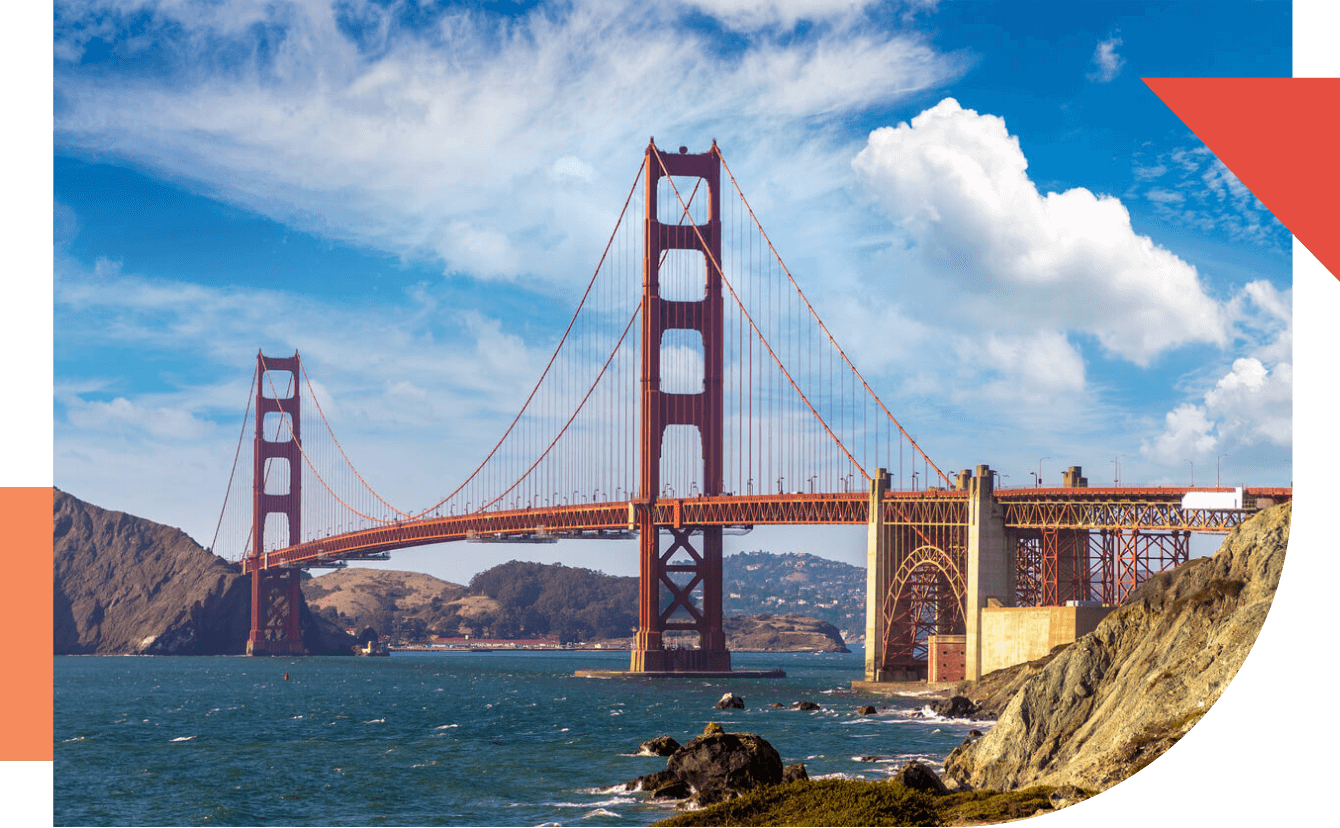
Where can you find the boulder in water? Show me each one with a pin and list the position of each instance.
(730, 700)
(660, 746)
(805, 705)
(954, 707)
(866, 710)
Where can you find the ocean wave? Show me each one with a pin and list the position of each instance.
(605, 791)
(446, 727)
(600, 812)
(375, 721)
(182, 739)
(604, 803)
(74, 739)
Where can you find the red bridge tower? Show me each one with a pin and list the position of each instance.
(698, 568)
(276, 593)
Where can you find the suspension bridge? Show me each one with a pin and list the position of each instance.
(696, 391)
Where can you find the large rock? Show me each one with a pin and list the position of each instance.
(660, 746)
(729, 701)
(725, 765)
(1115, 699)
(123, 584)
(919, 777)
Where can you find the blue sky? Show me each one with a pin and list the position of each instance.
(1025, 252)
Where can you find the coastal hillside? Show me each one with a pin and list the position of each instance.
(513, 600)
(782, 633)
(529, 600)
(762, 582)
(126, 585)
(1114, 700)
(359, 597)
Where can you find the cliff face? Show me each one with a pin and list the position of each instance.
(123, 584)
(1116, 699)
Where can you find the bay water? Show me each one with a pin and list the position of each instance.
(487, 738)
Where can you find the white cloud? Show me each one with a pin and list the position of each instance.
(412, 396)
(1186, 431)
(1192, 188)
(1248, 411)
(755, 14)
(418, 142)
(1107, 63)
(957, 183)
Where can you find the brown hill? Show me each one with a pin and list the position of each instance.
(1114, 700)
(362, 597)
(124, 584)
(782, 633)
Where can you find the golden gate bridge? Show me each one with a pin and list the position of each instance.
(695, 390)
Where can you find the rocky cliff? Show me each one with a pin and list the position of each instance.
(1114, 700)
(124, 584)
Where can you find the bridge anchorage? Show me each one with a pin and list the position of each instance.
(733, 406)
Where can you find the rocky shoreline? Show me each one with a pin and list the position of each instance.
(1067, 726)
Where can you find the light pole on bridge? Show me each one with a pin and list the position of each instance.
(1040, 459)
(1193, 474)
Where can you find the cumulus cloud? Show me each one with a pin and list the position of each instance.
(1248, 410)
(957, 183)
(1107, 63)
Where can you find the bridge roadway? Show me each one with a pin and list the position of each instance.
(1151, 509)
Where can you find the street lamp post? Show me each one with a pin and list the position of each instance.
(1040, 459)
(1193, 473)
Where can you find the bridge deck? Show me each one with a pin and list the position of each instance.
(1152, 509)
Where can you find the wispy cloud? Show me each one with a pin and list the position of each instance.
(336, 119)
(1190, 187)
(1106, 62)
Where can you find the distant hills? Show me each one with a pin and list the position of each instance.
(795, 582)
(125, 584)
(570, 604)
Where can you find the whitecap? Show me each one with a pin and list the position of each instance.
(375, 721)
(446, 727)
(600, 812)
(182, 739)
(74, 739)
(618, 800)
(612, 789)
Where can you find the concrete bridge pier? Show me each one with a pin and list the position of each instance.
(990, 571)
(876, 577)
(991, 565)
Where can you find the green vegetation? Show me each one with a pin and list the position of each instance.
(572, 603)
(851, 802)
(976, 807)
(764, 582)
(820, 802)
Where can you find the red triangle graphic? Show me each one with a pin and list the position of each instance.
(1281, 138)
